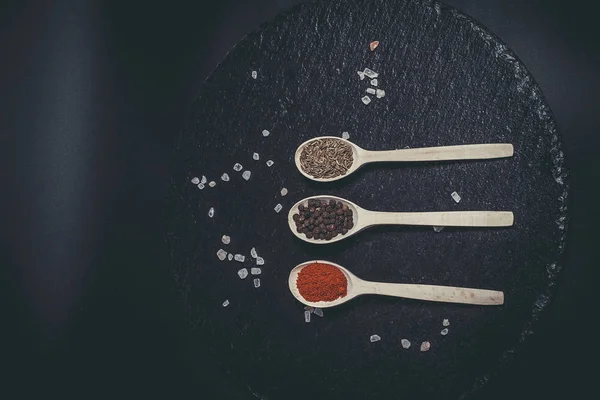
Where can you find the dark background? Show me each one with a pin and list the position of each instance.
(93, 96)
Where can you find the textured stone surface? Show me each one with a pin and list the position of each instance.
(447, 81)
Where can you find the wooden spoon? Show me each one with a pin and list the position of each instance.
(364, 218)
(440, 153)
(357, 287)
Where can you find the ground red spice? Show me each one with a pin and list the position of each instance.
(321, 282)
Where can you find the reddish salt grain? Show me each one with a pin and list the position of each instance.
(373, 45)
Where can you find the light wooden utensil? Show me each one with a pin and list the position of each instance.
(364, 218)
(357, 287)
(440, 153)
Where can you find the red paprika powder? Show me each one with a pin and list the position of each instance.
(321, 282)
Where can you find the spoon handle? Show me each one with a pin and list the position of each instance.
(443, 153)
(445, 294)
(443, 218)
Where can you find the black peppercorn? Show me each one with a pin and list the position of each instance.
(309, 234)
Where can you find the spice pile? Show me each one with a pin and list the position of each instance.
(321, 282)
(322, 219)
(326, 158)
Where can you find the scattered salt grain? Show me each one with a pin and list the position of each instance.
(195, 180)
(361, 75)
(270, 163)
(255, 156)
(373, 45)
(446, 322)
(371, 91)
(318, 312)
(284, 191)
(246, 174)
(237, 167)
(265, 133)
(366, 99)
(306, 316)
(255, 271)
(405, 343)
(345, 135)
(225, 303)
(230, 256)
(455, 196)
(243, 273)
(380, 93)
(260, 261)
(211, 212)
(278, 208)
(212, 183)
(374, 82)
(254, 74)
(375, 338)
(444, 332)
(226, 239)
(239, 257)
(370, 73)
(257, 283)
(201, 186)
(221, 254)
(438, 228)
(203, 180)
(253, 253)
(309, 308)
(425, 346)
(225, 178)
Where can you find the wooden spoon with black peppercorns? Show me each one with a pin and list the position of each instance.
(327, 219)
(329, 158)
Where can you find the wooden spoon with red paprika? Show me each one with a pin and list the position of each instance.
(325, 284)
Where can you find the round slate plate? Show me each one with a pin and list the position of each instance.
(447, 81)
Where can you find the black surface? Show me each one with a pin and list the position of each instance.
(92, 99)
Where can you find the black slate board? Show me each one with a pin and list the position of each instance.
(448, 81)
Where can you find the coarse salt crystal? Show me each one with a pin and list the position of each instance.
(366, 99)
(246, 174)
(254, 74)
(425, 346)
(212, 183)
(270, 163)
(361, 75)
(203, 180)
(237, 167)
(195, 180)
(371, 91)
(405, 343)
(239, 257)
(375, 338)
(230, 256)
(318, 312)
(225, 303)
(380, 93)
(201, 186)
(257, 283)
(243, 273)
(455, 196)
(444, 332)
(438, 228)
(373, 45)
(226, 239)
(253, 253)
(370, 73)
(255, 271)
(309, 308)
(211, 212)
(225, 177)
(278, 208)
(374, 82)
(345, 135)
(306, 316)
(265, 133)
(446, 322)
(284, 191)
(255, 156)
(260, 261)
(221, 254)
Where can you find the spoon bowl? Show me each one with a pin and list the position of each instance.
(357, 287)
(361, 156)
(362, 218)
